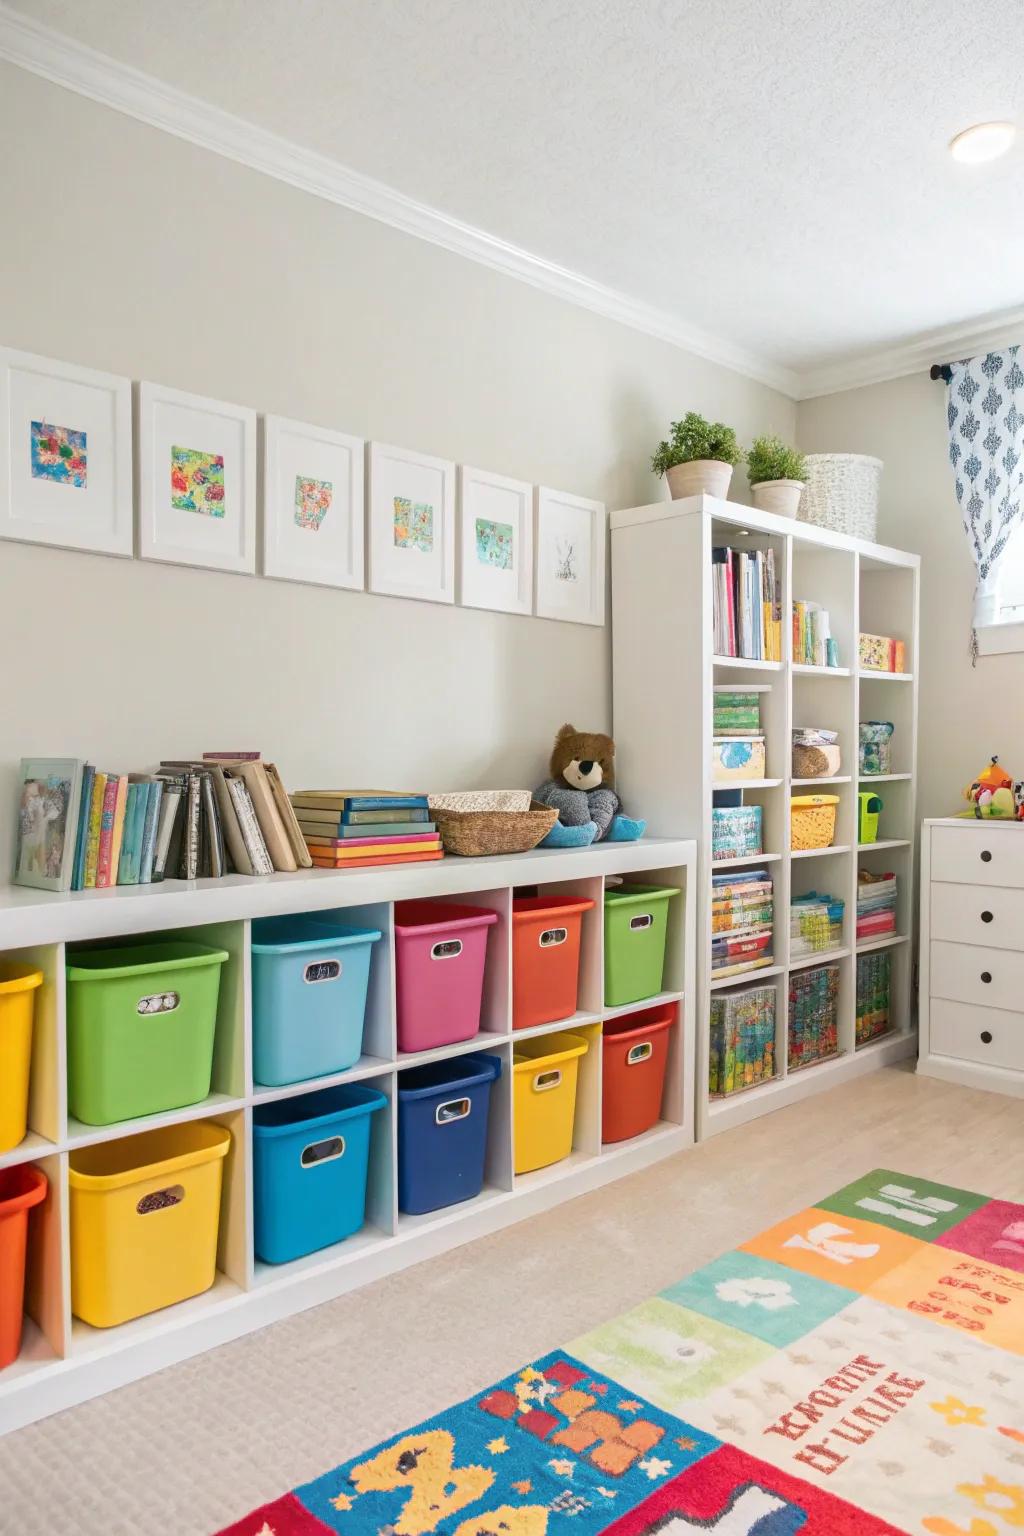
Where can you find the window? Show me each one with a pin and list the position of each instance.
(1006, 632)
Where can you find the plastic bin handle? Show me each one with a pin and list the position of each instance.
(446, 949)
(319, 1152)
(639, 1053)
(157, 1002)
(455, 1109)
(322, 970)
(161, 1199)
(545, 1080)
(552, 936)
(642, 920)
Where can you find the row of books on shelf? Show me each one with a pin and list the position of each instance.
(813, 645)
(742, 915)
(747, 603)
(876, 904)
(345, 829)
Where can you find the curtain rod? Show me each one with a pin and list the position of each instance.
(942, 371)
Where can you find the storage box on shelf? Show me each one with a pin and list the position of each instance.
(662, 593)
(349, 1149)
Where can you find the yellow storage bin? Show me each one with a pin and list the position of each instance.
(544, 1073)
(813, 821)
(144, 1218)
(18, 985)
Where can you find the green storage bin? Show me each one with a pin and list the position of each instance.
(635, 929)
(141, 1023)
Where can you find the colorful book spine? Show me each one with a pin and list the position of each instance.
(400, 858)
(125, 875)
(106, 838)
(82, 837)
(92, 854)
(120, 806)
(149, 830)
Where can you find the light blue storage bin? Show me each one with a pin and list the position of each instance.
(309, 981)
(311, 1157)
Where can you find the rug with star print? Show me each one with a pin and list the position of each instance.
(856, 1370)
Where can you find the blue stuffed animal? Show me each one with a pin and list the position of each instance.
(582, 790)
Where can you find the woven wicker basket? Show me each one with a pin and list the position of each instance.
(473, 834)
(841, 493)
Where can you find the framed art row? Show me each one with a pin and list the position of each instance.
(418, 527)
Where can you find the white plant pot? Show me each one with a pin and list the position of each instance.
(708, 476)
(779, 496)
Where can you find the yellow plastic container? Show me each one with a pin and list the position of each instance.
(144, 1218)
(17, 1003)
(813, 821)
(544, 1074)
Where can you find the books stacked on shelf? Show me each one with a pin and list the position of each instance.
(815, 924)
(813, 645)
(813, 1015)
(742, 912)
(349, 829)
(737, 712)
(747, 600)
(219, 815)
(742, 1040)
(876, 904)
(874, 975)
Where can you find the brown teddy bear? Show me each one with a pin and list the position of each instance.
(581, 788)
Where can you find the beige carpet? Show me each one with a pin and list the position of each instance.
(196, 1446)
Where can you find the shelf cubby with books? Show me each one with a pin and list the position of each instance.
(666, 565)
(64, 1360)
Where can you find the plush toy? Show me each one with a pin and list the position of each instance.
(1018, 799)
(581, 788)
(993, 794)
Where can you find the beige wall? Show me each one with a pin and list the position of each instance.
(126, 249)
(966, 713)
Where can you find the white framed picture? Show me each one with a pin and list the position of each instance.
(65, 454)
(495, 542)
(411, 514)
(197, 480)
(312, 504)
(570, 539)
(49, 791)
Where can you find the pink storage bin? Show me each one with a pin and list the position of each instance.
(440, 950)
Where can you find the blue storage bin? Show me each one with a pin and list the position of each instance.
(442, 1131)
(309, 981)
(311, 1156)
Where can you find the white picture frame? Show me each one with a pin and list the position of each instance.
(192, 509)
(495, 542)
(570, 545)
(65, 454)
(47, 822)
(313, 514)
(411, 547)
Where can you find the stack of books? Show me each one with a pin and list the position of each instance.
(350, 829)
(226, 813)
(747, 594)
(742, 912)
(876, 904)
(813, 645)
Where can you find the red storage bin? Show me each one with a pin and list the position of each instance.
(635, 1050)
(21, 1188)
(546, 934)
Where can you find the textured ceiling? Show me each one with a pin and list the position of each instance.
(773, 171)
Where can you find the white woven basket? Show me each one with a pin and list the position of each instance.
(841, 493)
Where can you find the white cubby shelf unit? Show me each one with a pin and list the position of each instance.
(63, 1360)
(664, 675)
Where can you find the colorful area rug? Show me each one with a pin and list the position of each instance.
(857, 1369)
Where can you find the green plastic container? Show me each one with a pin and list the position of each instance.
(141, 1024)
(635, 928)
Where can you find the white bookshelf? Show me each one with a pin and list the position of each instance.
(63, 1360)
(664, 673)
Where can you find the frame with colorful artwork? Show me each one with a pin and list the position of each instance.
(65, 454)
(46, 826)
(312, 504)
(411, 502)
(495, 542)
(197, 480)
(570, 543)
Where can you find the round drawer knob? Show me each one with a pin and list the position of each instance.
(986, 976)
(986, 856)
(986, 1037)
(986, 917)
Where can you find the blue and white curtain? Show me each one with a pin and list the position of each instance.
(985, 416)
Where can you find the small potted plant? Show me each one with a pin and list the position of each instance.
(776, 473)
(698, 457)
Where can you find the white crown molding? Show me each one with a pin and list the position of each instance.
(942, 346)
(48, 53)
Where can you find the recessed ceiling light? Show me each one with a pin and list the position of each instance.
(985, 141)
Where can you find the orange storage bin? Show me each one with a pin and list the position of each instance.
(21, 1188)
(546, 933)
(635, 1050)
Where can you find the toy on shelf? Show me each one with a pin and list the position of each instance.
(993, 794)
(869, 808)
(581, 789)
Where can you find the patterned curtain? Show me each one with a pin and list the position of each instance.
(985, 416)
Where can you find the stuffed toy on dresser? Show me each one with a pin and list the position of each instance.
(581, 789)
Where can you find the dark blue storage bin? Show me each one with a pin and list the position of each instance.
(311, 1157)
(442, 1131)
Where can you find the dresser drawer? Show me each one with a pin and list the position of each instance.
(991, 1036)
(970, 973)
(990, 915)
(979, 854)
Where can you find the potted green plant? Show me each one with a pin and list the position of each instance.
(698, 457)
(776, 473)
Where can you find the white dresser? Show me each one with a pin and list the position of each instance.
(972, 953)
